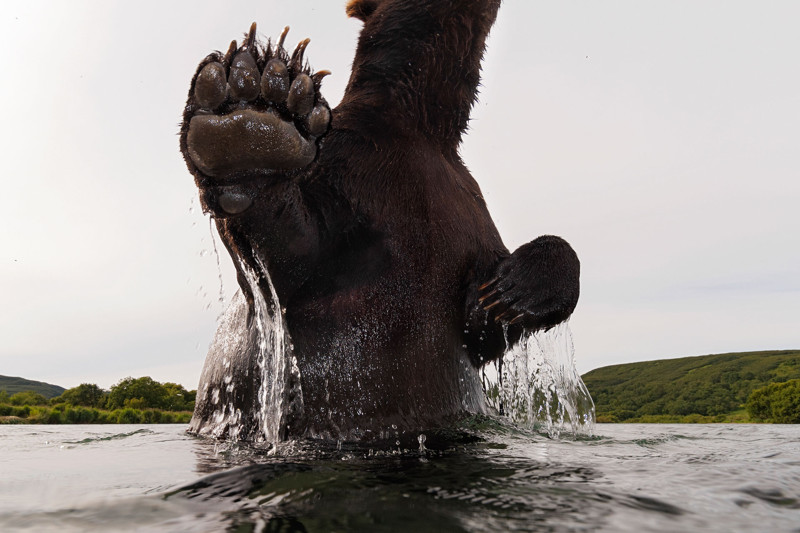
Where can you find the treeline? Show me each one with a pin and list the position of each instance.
(131, 401)
(710, 388)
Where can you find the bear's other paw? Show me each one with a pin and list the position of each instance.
(536, 287)
(253, 111)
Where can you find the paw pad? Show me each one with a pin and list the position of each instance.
(255, 109)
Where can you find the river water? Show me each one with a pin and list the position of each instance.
(493, 477)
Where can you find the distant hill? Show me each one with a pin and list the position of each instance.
(14, 385)
(708, 385)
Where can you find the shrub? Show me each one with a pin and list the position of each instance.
(135, 403)
(43, 415)
(80, 415)
(129, 416)
(152, 416)
(28, 398)
(143, 393)
(22, 412)
(86, 394)
(777, 402)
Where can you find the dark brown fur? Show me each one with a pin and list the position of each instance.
(382, 251)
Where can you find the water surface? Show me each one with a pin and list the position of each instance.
(626, 478)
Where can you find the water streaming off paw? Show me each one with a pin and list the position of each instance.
(536, 384)
(250, 382)
(279, 395)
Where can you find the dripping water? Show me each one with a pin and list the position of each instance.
(536, 384)
(202, 292)
(250, 386)
(214, 237)
(279, 396)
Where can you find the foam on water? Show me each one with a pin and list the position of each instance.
(537, 385)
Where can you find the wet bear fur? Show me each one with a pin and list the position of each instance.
(395, 283)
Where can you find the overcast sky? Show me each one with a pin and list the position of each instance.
(662, 139)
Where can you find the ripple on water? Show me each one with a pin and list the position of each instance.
(684, 478)
(116, 436)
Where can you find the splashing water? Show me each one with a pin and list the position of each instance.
(537, 386)
(280, 396)
(250, 386)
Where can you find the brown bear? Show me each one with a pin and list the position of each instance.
(365, 226)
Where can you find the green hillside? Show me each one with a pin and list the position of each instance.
(708, 385)
(14, 385)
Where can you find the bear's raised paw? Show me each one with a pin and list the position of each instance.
(252, 112)
(536, 287)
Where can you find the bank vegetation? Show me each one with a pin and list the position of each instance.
(734, 387)
(130, 401)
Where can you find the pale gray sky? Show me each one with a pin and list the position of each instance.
(660, 138)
